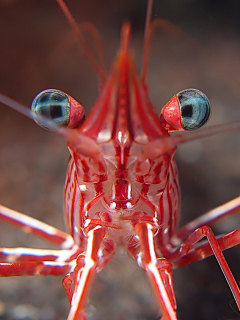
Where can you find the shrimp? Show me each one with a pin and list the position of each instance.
(42, 148)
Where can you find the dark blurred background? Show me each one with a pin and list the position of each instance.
(38, 51)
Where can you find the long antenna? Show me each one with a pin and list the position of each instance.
(146, 41)
(72, 22)
(165, 25)
(159, 146)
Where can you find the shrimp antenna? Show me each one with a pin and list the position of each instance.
(147, 37)
(100, 69)
(165, 25)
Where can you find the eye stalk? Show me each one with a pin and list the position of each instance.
(58, 107)
(187, 110)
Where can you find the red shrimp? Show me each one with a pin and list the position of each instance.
(121, 187)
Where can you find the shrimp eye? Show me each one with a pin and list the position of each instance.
(58, 107)
(195, 108)
(54, 105)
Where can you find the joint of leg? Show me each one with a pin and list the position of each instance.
(90, 224)
(80, 262)
(67, 284)
(67, 280)
(164, 264)
(139, 218)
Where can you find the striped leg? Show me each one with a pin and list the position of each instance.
(228, 208)
(31, 254)
(33, 268)
(29, 262)
(203, 250)
(84, 274)
(159, 271)
(36, 227)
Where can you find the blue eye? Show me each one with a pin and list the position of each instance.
(195, 108)
(54, 105)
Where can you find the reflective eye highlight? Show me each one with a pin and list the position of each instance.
(195, 108)
(54, 105)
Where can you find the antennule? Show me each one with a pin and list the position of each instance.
(100, 71)
(146, 41)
